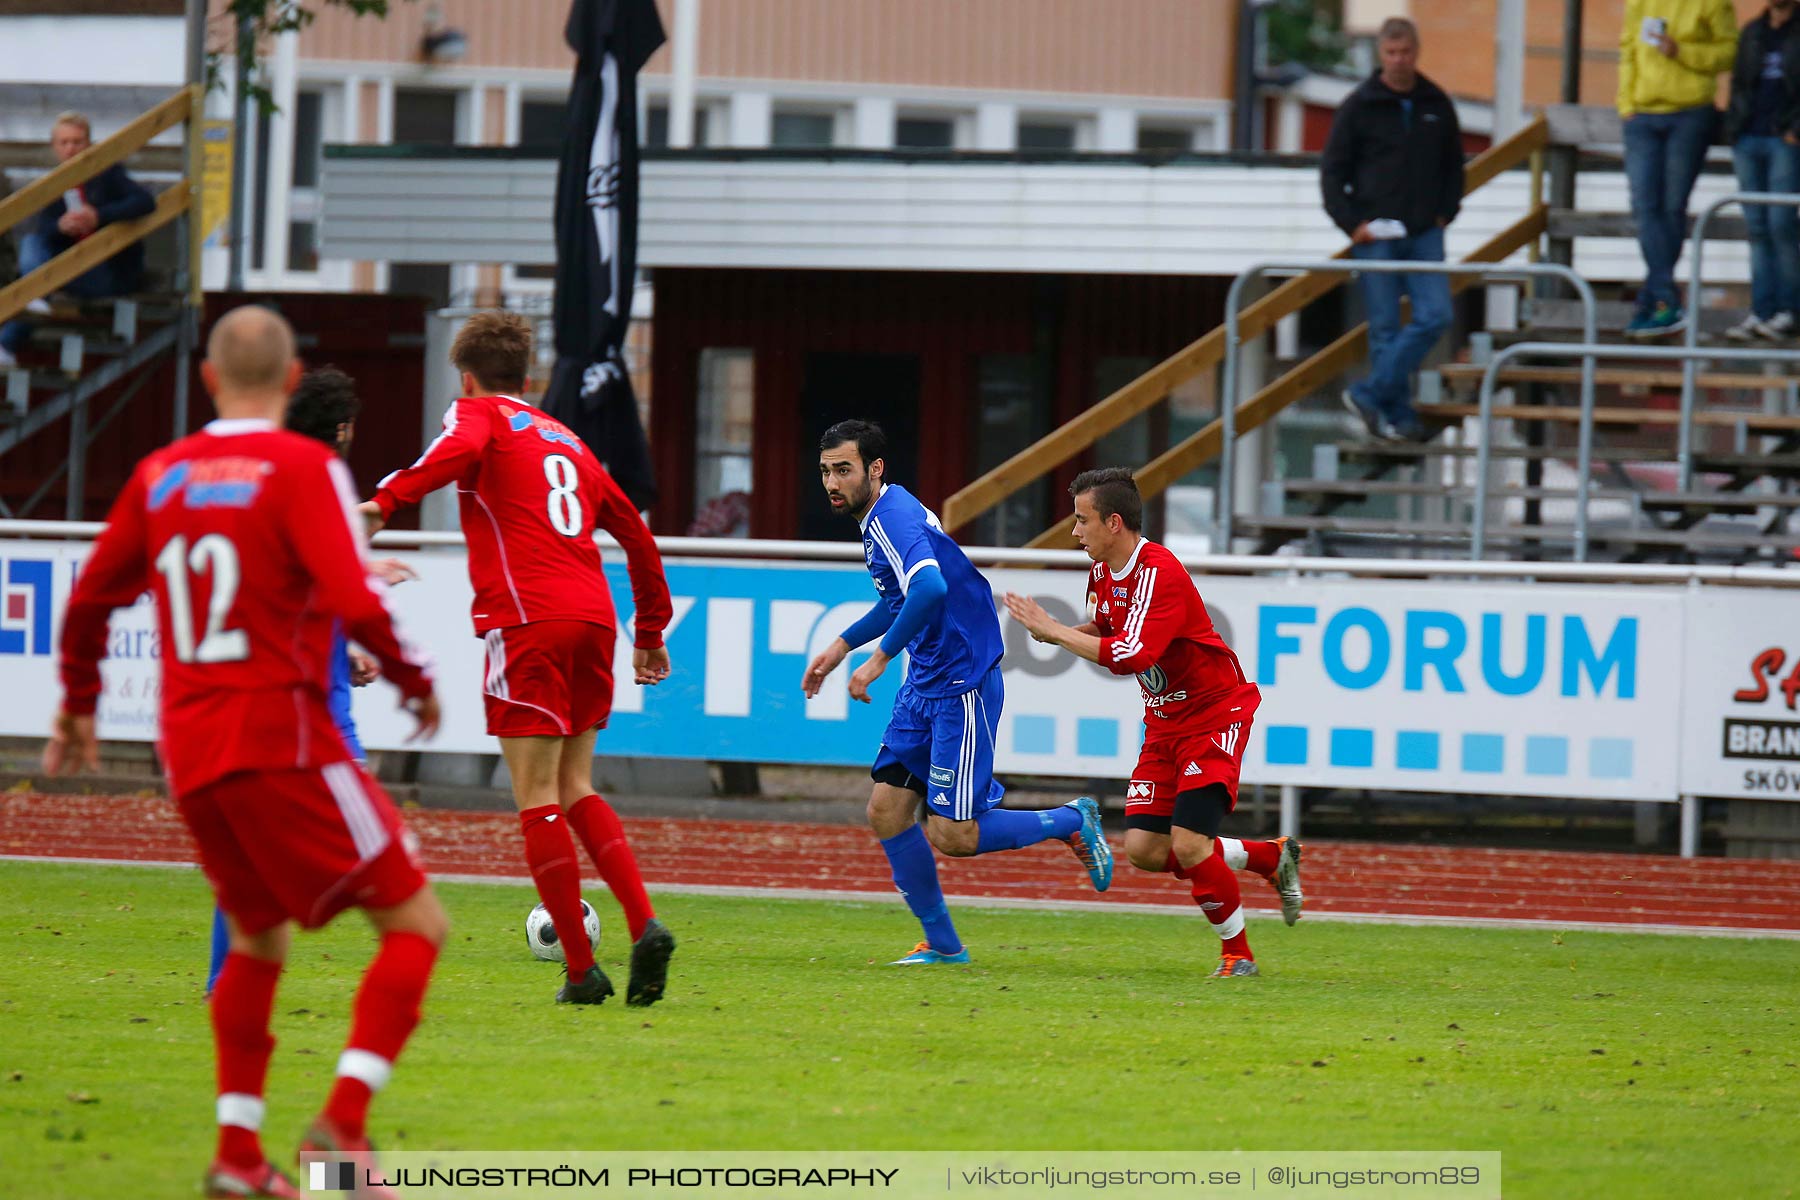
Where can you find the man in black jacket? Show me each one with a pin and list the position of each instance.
(109, 196)
(1763, 126)
(1392, 177)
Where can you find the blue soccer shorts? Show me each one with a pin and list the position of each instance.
(943, 748)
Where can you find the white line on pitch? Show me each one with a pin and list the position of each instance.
(1097, 906)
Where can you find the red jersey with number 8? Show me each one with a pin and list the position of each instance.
(531, 496)
(1153, 624)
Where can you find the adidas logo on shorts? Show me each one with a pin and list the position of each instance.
(1193, 768)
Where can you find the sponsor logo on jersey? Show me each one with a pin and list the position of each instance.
(1154, 681)
(211, 482)
(1139, 791)
(1120, 593)
(521, 421)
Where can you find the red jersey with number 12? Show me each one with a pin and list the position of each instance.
(531, 495)
(248, 539)
(1154, 625)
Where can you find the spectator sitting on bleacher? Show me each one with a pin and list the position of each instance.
(112, 195)
(1670, 55)
(1762, 124)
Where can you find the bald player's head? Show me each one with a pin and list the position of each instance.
(251, 348)
(250, 360)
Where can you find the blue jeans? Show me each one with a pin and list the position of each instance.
(1663, 156)
(34, 251)
(1769, 164)
(1396, 352)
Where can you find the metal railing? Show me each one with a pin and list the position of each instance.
(1643, 574)
(1066, 441)
(1690, 367)
(1588, 354)
(1229, 391)
(179, 203)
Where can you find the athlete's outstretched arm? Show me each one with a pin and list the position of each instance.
(468, 428)
(871, 625)
(924, 603)
(115, 574)
(1083, 642)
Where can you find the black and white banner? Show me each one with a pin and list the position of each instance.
(596, 237)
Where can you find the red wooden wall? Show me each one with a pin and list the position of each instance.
(949, 319)
(377, 340)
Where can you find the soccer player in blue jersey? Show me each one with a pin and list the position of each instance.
(324, 408)
(939, 744)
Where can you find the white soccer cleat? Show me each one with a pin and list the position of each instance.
(1286, 880)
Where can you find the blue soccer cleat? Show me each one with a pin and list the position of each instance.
(924, 956)
(1089, 844)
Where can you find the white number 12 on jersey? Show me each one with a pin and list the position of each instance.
(215, 555)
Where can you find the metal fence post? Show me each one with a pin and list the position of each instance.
(1690, 367)
(1590, 332)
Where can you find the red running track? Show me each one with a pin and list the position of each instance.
(1339, 877)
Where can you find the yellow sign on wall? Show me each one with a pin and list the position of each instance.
(215, 180)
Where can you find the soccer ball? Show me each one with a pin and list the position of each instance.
(540, 932)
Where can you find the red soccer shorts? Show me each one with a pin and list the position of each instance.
(1176, 763)
(300, 845)
(549, 679)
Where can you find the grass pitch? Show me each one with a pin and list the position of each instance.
(1599, 1064)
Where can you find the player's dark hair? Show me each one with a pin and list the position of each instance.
(1114, 491)
(494, 347)
(325, 400)
(870, 441)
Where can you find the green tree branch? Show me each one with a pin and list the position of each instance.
(248, 25)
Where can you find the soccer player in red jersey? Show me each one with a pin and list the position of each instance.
(1145, 618)
(532, 495)
(247, 537)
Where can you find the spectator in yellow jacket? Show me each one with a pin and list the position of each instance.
(1671, 53)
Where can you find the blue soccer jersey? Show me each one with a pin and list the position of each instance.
(952, 654)
(338, 698)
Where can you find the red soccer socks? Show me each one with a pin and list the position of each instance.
(598, 827)
(1216, 892)
(1259, 857)
(386, 1012)
(550, 853)
(242, 1001)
